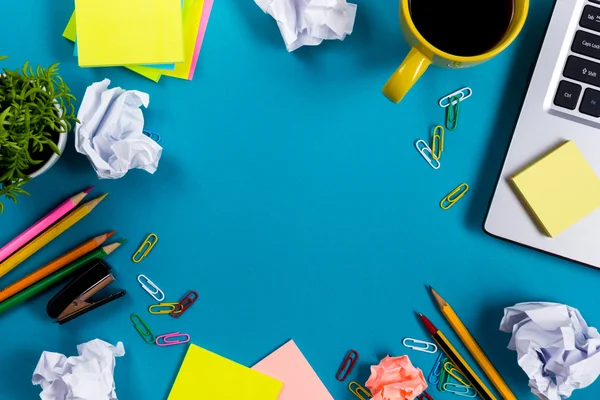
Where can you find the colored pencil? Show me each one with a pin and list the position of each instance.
(42, 225)
(473, 347)
(54, 279)
(83, 253)
(457, 359)
(52, 233)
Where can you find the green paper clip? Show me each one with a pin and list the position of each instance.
(143, 329)
(452, 113)
(444, 377)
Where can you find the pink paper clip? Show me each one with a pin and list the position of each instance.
(163, 340)
(184, 304)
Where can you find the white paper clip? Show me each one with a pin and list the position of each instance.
(154, 291)
(429, 347)
(459, 390)
(464, 94)
(424, 149)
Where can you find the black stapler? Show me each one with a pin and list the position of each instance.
(75, 299)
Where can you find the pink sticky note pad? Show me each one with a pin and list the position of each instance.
(288, 365)
(201, 32)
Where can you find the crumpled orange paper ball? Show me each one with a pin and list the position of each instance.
(395, 378)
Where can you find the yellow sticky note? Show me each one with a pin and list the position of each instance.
(70, 33)
(71, 29)
(559, 189)
(206, 375)
(192, 14)
(117, 32)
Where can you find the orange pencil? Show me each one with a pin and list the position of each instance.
(54, 266)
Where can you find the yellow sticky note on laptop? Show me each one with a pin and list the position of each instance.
(119, 32)
(560, 189)
(206, 375)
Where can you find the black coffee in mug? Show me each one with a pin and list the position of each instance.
(462, 27)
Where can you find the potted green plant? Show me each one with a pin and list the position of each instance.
(36, 113)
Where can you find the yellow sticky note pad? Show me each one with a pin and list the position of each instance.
(117, 32)
(206, 375)
(70, 33)
(192, 14)
(559, 189)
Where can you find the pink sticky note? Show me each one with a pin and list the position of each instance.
(288, 365)
(201, 32)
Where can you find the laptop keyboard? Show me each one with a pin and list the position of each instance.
(581, 69)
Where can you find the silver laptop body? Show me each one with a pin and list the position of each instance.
(562, 103)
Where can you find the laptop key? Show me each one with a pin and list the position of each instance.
(567, 95)
(591, 18)
(587, 44)
(590, 104)
(582, 70)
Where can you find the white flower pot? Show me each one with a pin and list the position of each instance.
(62, 144)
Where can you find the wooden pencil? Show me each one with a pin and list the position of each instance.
(52, 233)
(41, 225)
(54, 278)
(457, 359)
(473, 347)
(53, 266)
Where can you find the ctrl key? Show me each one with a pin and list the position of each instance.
(567, 95)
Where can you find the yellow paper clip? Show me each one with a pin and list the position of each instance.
(454, 196)
(163, 308)
(437, 142)
(145, 248)
(359, 391)
(456, 374)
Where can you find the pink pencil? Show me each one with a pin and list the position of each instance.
(42, 225)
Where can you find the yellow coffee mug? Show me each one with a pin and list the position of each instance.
(423, 53)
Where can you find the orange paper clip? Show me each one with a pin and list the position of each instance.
(184, 304)
(347, 366)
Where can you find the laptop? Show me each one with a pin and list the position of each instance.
(562, 103)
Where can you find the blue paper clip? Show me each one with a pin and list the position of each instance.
(460, 390)
(434, 375)
(152, 135)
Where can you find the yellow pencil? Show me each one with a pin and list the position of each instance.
(473, 347)
(49, 235)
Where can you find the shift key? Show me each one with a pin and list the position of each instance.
(582, 70)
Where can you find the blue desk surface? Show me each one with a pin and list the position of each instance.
(291, 197)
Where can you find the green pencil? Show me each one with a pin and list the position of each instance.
(57, 277)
